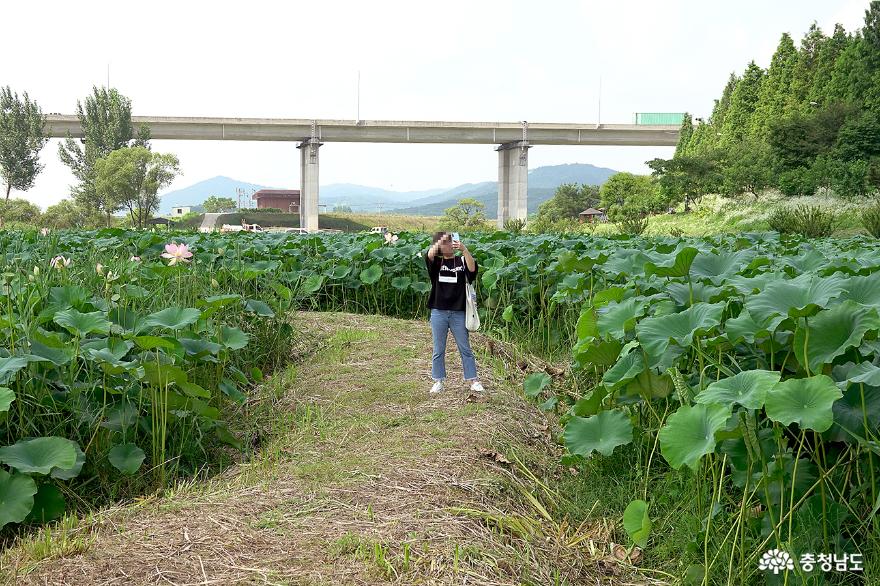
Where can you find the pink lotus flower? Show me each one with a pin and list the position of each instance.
(135, 259)
(176, 253)
(390, 238)
(59, 262)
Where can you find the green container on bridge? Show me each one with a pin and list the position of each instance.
(658, 118)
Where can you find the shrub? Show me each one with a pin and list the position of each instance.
(871, 220)
(515, 225)
(632, 225)
(814, 221)
(782, 220)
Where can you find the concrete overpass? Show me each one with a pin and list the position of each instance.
(513, 140)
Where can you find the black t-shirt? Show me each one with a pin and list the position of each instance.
(448, 281)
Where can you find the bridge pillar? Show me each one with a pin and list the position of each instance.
(308, 184)
(513, 181)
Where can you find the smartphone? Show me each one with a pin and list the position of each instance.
(455, 237)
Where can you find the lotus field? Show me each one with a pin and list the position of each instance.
(750, 364)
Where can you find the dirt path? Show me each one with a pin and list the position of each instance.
(366, 480)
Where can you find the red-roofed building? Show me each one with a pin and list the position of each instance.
(286, 200)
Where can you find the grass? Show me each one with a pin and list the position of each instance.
(359, 473)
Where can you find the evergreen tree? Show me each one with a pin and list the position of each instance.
(743, 100)
(684, 135)
(805, 68)
(820, 86)
(776, 87)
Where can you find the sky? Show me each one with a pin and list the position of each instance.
(456, 60)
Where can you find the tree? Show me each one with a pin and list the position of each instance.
(737, 119)
(131, 178)
(342, 209)
(747, 167)
(568, 201)
(22, 138)
(106, 125)
(775, 88)
(805, 68)
(625, 195)
(67, 214)
(796, 140)
(19, 210)
(216, 204)
(685, 134)
(467, 214)
(688, 177)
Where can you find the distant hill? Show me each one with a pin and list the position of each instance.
(543, 182)
(197, 193)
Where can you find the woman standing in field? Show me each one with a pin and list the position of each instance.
(447, 304)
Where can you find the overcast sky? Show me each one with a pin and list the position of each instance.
(461, 60)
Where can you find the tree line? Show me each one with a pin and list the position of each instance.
(809, 122)
(113, 162)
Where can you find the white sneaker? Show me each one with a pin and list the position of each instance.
(438, 386)
(477, 387)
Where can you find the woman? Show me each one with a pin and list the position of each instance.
(447, 303)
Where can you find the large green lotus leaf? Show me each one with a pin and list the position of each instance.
(655, 333)
(805, 401)
(857, 373)
(57, 356)
(39, 455)
(218, 301)
(73, 471)
(312, 284)
(7, 396)
(233, 338)
(197, 347)
(637, 523)
(173, 318)
(586, 327)
(744, 327)
(16, 497)
(82, 324)
(626, 262)
(9, 367)
(535, 383)
(650, 385)
(683, 294)
(798, 297)
(401, 283)
(863, 290)
(749, 285)
(371, 274)
(624, 370)
(831, 332)
(606, 296)
(590, 353)
(48, 504)
(716, 267)
(127, 458)
(421, 287)
(748, 388)
(257, 307)
(120, 416)
(162, 375)
(601, 433)
(689, 433)
(338, 272)
(853, 412)
(677, 266)
(615, 319)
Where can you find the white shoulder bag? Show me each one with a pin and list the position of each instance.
(472, 317)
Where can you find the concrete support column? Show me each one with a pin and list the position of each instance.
(308, 184)
(513, 181)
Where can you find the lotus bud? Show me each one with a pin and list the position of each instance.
(37, 271)
(215, 284)
(99, 268)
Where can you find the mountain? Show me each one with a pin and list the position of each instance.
(543, 182)
(197, 193)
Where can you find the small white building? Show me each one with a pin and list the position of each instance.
(180, 211)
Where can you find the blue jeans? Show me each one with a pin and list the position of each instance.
(443, 320)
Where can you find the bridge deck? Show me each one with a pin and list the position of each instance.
(387, 131)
